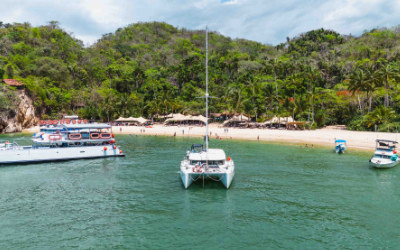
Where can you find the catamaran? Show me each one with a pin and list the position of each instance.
(385, 154)
(60, 140)
(201, 162)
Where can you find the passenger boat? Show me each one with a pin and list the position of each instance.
(201, 162)
(385, 154)
(62, 141)
(340, 146)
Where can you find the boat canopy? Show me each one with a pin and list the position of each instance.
(213, 154)
(386, 141)
(338, 141)
(86, 126)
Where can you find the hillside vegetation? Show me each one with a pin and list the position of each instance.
(153, 68)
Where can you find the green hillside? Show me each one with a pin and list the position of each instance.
(154, 68)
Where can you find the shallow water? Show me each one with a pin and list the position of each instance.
(282, 197)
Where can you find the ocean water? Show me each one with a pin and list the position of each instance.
(282, 196)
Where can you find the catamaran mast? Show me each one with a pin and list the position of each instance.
(206, 89)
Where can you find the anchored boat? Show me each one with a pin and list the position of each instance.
(206, 163)
(385, 154)
(340, 146)
(63, 141)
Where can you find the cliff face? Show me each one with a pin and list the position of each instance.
(23, 116)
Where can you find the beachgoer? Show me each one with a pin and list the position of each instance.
(183, 131)
(174, 134)
(312, 146)
(306, 146)
(258, 138)
(120, 129)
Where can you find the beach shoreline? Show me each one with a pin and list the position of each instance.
(360, 140)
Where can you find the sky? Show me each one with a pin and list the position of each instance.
(265, 21)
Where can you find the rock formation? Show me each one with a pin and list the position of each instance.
(23, 116)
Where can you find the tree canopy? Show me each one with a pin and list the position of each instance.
(154, 68)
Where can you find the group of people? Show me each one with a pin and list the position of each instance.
(198, 168)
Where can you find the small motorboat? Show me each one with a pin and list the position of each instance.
(340, 146)
(385, 154)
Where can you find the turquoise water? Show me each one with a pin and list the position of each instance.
(282, 197)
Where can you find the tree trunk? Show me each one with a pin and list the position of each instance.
(276, 89)
(386, 104)
(359, 103)
(370, 103)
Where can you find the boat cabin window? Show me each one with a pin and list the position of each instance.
(382, 156)
(210, 163)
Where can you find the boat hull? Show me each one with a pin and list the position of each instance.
(189, 178)
(382, 165)
(340, 149)
(43, 154)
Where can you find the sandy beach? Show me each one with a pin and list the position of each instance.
(323, 137)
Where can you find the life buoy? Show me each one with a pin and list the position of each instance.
(85, 121)
(73, 121)
(55, 122)
(75, 136)
(44, 122)
(55, 137)
(229, 158)
(68, 121)
(79, 121)
(105, 135)
(94, 136)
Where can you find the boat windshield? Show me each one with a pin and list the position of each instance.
(382, 156)
(197, 148)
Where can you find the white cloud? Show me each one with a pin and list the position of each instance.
(264, 21)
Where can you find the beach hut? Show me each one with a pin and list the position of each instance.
(179, 119)
(279, 122)
(131, 121)
(236, 121)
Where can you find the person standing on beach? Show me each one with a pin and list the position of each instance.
(183, 131)
(175, 134)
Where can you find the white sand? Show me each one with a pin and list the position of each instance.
(324, 137)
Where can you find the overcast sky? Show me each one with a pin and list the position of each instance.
(266, 21)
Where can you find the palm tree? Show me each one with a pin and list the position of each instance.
(275, 64)
(386, 74)
(357, 83)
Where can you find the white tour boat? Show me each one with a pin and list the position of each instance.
(385, 154)
(206, 163)
(63, 140)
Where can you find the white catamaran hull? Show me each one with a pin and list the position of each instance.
(44, 154)
(188, 177)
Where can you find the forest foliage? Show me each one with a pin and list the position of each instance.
(148, 69)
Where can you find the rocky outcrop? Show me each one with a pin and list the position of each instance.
(23, 116)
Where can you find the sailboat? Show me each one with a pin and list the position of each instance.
(201, 162)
